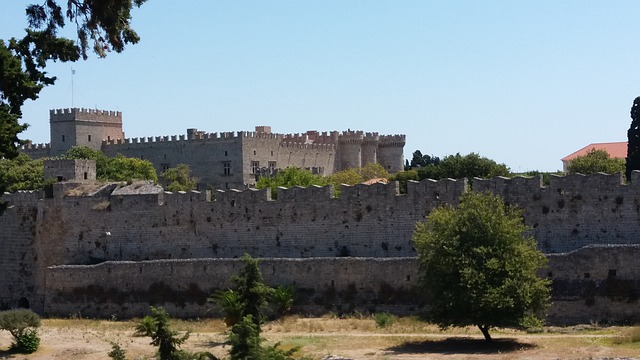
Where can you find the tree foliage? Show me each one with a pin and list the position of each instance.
(402, 177)
(245, 304)
(595, 161)
(105, 24)
(478, 266)
(633, 136)
(21, 173)
(22, 324)
(179, 178)
(463, 166)
(290, 177)
(157, 327)
(119, 168)
(419, 160)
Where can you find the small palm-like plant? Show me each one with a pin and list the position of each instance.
(231, 305)
(283, 296)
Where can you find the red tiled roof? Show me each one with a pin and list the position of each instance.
(615, 150)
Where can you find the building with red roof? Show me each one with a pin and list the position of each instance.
(615, 150)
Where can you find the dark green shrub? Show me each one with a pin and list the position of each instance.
(229, 301)
(27, 342)
(145, 327)
(116, 353)
(283, 297)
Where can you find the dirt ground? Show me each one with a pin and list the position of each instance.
(91, 340)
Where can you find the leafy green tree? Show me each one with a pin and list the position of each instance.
(179, 178)
(21, 173)
(290, 177)
(463, 166)
(167, 340)
(244, 339)
(402, 177)
(22, 324)
(252, 296)
(419, 160)
(633, 136)
(595, 161)
(122, 168)
(478, 265)
(105, 24)
(373, 171)
(119, 168)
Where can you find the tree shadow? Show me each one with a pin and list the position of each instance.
(460, 345)
(8, 354)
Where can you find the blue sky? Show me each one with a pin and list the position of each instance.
(522, 82)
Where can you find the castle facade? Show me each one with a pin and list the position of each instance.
(227, 160)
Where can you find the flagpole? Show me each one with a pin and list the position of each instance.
(73, 72)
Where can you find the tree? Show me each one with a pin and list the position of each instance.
(247, 302)
(119, 168)
(468, 166)
(22, 324)
(179, 178)
(402, 177)
(419, 160)
(595, 161)
(21, 173)
(106, 24)
(290, 177)
(478, 266)
(633, 135)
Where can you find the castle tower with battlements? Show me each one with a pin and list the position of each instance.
(83, 127)
(226, 160)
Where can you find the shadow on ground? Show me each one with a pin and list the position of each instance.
(459, 345)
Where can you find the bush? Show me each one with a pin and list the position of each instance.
(283, 297)
(384, 319)
(22, 324)
(27, 342)
(116, 353)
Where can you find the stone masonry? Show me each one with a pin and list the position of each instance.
(105, 249)
(227, 160)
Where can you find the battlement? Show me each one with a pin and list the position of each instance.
(392, 140)
(81, 114)
(34, 147)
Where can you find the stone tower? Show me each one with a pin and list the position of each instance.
(83, 127)
(390, 152)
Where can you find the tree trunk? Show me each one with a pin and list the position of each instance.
(485, 332)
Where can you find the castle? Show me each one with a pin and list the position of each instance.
(101, 250)
(222, 161)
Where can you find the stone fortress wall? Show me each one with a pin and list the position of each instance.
(226, 160)
(351, 251)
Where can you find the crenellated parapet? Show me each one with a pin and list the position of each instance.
(76, 114)
(392, 141)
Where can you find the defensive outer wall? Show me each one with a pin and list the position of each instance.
(111, 250)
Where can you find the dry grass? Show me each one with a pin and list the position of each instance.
(355, 337)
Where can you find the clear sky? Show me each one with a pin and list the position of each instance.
(522, 82)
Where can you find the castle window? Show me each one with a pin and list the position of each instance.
(62, 138)
(165, 167)
(272, 165)
(165, 156)
(271, 152)
(226, 153)
(226, 167)
(86, 176)
(255, 166)
(88, 137)
(254, 152)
